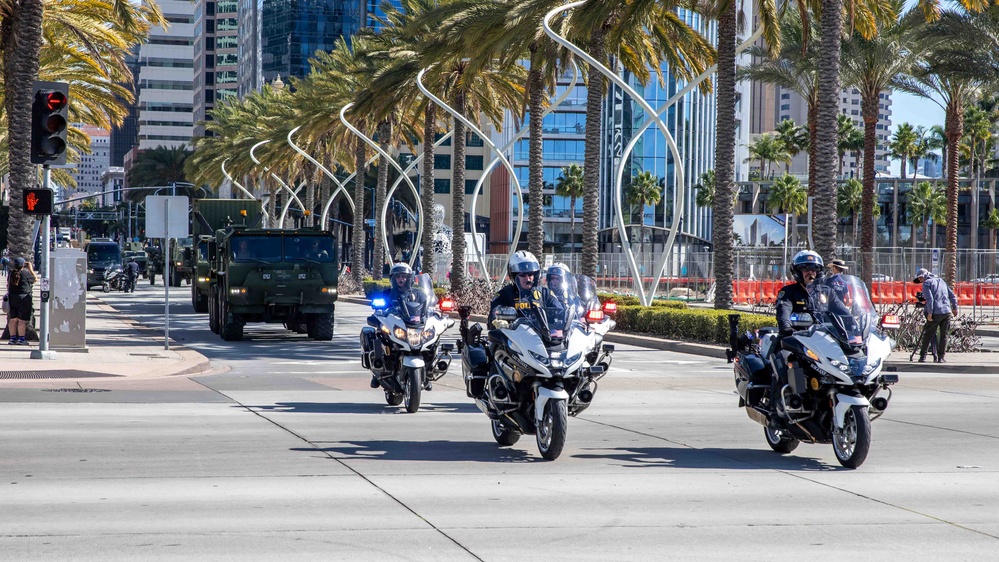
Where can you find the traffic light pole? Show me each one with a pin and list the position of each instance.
(43, 326)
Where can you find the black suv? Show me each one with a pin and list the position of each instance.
(101, 256)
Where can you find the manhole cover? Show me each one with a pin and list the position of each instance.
(75, 390)
(65, 374)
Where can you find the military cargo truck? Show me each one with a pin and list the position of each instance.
(180, 250)
(273, 275)
(207, 217)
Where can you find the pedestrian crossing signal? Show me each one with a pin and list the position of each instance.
(38, 201)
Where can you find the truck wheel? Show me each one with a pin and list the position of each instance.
(231, 328)
(200, 302)
(175, 280)
(213, 317)
(152, 278)
(321, 326)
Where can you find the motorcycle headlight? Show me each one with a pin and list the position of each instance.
(543, 359)
(400, 333)
(415, 336)
(428, 334)
(573, 359)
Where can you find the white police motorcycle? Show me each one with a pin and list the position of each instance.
(400, 345)
(530, 371)
(834, 366)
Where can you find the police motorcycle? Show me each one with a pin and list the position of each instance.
(114, 279)
(529, 373)
(400, 345)
(834, 362)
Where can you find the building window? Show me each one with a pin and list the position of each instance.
(474, 140)
(470, 186)
(442, 162)
(785, 107)
(442, 186)
(438, 136)
(473, 162)
(785, 96)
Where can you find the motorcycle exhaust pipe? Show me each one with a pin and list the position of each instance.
(794, 402)
(377, 363)
(585, 396)
(442, 365)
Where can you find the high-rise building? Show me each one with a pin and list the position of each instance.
(126, 135)
(374, 11)
(88, 171)
(216, 48)
(165, 81)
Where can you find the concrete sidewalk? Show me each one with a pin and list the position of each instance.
(116, 347)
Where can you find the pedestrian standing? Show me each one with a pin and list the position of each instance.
(19, 285)
(940, 305)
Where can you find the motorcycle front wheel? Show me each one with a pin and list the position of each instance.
(106, 288)
(413, 386)
(852, 443)
(551, 432)
(504, 436)
(780, 441)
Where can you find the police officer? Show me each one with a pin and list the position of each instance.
(402, 297)
(131, 273)
(523, 290)
(805, 268)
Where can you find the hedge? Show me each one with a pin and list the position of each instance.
(628, 300)
(372, 287)
(705, 325)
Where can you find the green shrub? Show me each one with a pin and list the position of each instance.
(680, 305)
(440, 292)
(703, 325)
(629, 300)
(372, 287)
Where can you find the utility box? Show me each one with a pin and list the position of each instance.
(68, 302)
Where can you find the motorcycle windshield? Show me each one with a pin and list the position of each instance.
(586, 288)
(414, 305)
(561, 283)
(844, 306)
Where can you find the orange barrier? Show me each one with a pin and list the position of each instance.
(988, 295)
(966, 294)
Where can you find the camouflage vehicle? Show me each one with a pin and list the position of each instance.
(207, 217)
(273, 275)
(180, 270)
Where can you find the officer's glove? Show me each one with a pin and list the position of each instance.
(500, 324)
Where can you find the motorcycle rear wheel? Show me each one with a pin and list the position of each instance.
(852, 443)
(504, 436)
(551, 432)
(411, 394)
(780, 442)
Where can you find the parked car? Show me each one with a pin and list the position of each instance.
(990, 278)
(881, 277)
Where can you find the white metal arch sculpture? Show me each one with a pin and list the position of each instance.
(653, 118)
(273, 175)
(485, 139)
(329, 174)
(387, 158)
(492, 164)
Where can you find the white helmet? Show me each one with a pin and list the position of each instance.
(524, 262)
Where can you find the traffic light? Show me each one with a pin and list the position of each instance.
(37, 201)
(49, 119)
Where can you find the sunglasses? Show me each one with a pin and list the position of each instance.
(525, 275)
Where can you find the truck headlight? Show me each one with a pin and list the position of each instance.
(237, 290)
(329, 290)
(204, 279)
(180, 263)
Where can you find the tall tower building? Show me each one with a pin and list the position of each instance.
(165, 80)
(88, 171)
(216, 64)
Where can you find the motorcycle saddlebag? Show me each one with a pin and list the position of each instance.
(477, 365)
(367, 345)
(757, 369)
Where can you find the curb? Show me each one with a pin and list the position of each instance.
(718, 352)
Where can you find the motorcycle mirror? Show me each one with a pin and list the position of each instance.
(464, 312)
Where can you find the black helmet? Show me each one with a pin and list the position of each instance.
(803, 260)
(402, 270)
(524, 262)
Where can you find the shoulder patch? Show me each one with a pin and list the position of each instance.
(537, 294)
(780, 295)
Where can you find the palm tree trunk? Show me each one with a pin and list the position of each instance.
(722, 210)
(902, 169)
(954, 128)
(358, 238)
(572, 226)
(381, 188)
(591, 159)
(926, 233)
(824, 209)
(536, 227)
(812, 147)
(459, 268)
(21, 42)
(428, 262)
(869, 108)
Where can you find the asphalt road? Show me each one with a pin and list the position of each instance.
(285, 452)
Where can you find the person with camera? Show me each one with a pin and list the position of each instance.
(19, 285)
(941, 303)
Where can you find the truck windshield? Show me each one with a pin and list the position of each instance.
(203, 250)
(103, 253)
(308, 248)
(256, 248)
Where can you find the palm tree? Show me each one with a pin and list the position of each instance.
(767, 148)
(793, 137)
(160, 166)
(105, 31)
(849, 138)
(787, 195)
(645, 189)
(570, 184)
(992, 223)
(706, 190)
(903, 144)
(936, 139)
(849, 201)
(925, 202)
(958, 53)
(923, 149)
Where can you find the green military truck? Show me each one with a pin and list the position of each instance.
(180, 250)
(273, 275)
(207, 217)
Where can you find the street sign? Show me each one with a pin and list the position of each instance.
(167, 216)
(37, 201)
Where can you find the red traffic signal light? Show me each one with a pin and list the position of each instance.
(49, 120)
(38, 201)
